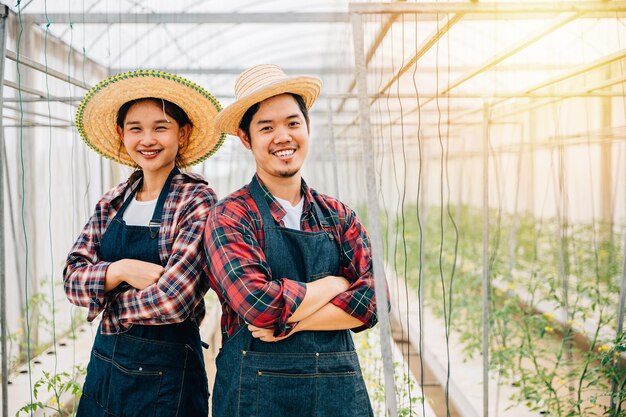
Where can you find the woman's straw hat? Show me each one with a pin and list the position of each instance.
(97, 114)
(259, 83)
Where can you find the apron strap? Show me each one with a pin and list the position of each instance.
(258, 195)
(130, 197)
(155, 223)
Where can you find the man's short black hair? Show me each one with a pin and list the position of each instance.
(249, 114)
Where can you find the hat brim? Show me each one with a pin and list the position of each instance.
(305, 86)
(97, 113)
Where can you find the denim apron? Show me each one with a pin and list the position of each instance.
(153, 371)
(310, 374)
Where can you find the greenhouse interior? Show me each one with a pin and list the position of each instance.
(482, 143)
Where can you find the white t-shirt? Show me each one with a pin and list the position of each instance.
(139, 213)
(294, 213)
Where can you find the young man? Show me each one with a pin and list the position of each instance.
(292, 268)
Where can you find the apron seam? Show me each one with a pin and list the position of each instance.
(182, 382)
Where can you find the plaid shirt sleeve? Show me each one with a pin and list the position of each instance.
(240, 273)
(183, 284)
(84, 273)
(359, 300)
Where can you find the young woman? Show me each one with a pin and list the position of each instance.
(139, 258)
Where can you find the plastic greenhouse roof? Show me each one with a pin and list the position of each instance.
(471, 56)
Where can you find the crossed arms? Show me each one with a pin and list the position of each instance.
(277, 307)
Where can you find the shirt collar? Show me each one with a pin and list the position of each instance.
(276, 209)
(120, 192)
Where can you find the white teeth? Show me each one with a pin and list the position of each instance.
(149, 153)
(285, 152)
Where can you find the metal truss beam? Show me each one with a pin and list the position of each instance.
(498, 8)
(447, 24)
(380, 36)
(39, 98)
(35, 113)
(427, 12)
(42, 97)
(600, 62)
(328, 71)
(28, 90)
(239, 70)
(187, 18)
(510, 51)
(604, 84)
(47, 70)
(434, 37)
(567, 75)
(531, 92)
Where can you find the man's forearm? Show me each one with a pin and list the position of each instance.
(329, 317)
(318, 294)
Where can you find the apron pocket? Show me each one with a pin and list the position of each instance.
(138, 388)
(96, 387)
(282, 394)
(341, 387)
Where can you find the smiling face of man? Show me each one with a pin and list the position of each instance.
(278, 138)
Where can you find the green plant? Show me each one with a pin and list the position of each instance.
(534, 264)
(58, 384)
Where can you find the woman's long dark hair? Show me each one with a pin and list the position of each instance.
(171, 109)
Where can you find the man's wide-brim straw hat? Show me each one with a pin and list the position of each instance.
(96, 118)
(259, 83)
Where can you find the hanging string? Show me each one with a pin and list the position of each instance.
(445, 164)
(402, 213)
(23, 202)
(446, 317)
(380, 150)
(50, 243)
(72, 182)
(379, 156)
(395, 226)
(420, 276)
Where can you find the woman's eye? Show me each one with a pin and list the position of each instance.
(266, 128)
(294, 124)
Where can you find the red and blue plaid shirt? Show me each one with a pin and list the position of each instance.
(242, 278)
(178, 294)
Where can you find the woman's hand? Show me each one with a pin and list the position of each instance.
(138, 274)
(267, 335)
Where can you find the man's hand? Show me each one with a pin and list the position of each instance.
(138, 274)
(267, 335)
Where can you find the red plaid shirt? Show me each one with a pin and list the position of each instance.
(242, 278)
(178, 294)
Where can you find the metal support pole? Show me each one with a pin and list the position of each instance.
(620, 317)
(373, 215)
(485, 259)
(4, 10)
(333, 149)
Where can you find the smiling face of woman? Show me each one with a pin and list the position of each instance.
(151, 137)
